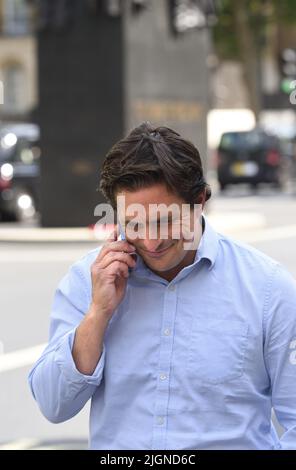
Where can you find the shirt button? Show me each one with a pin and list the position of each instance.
(167, 332)
(163, 376)
(172, 288)
(160, 420)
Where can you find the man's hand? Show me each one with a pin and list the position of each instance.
(109, 274)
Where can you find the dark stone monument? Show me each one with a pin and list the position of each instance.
(103, 68)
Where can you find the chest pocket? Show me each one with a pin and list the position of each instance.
(217, 350)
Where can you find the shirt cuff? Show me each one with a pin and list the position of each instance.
(64, 359)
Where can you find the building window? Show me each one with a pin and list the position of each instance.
(16, 17)
(14, 89)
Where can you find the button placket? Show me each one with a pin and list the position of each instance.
(164, 368)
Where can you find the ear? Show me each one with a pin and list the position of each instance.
(202, 198)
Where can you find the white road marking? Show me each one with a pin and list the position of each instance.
(20, 444)
(18, 233)
(20, 358)
(234, 223)
(44, 444)
(270, 234)
(42, 256)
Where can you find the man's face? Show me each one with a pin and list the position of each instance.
(154, 235)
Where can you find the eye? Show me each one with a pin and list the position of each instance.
(135, 226)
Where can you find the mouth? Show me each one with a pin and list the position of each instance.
(157, 254)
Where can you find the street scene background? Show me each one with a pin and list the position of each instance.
(75, 80)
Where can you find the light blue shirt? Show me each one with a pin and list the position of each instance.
(195, 363)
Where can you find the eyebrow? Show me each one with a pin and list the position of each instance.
(161, 219)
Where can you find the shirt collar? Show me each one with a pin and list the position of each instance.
(208, 247)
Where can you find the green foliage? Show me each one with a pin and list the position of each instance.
(258, 13)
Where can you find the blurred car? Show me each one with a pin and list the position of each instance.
(19, 171)
(249, 157)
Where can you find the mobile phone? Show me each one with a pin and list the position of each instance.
(121, 231)
(123, 237)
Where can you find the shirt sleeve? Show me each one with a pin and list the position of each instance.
(280, 351)
(59, 388)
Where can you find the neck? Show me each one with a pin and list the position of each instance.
(170, 274)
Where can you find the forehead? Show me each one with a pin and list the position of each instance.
(156, 194)
(154, 203)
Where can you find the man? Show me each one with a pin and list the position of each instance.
(181, 348)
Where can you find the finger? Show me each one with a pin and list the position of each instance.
(118, 268)
(120, 245)
(113, 256)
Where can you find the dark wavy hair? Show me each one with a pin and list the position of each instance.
(150, 155)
